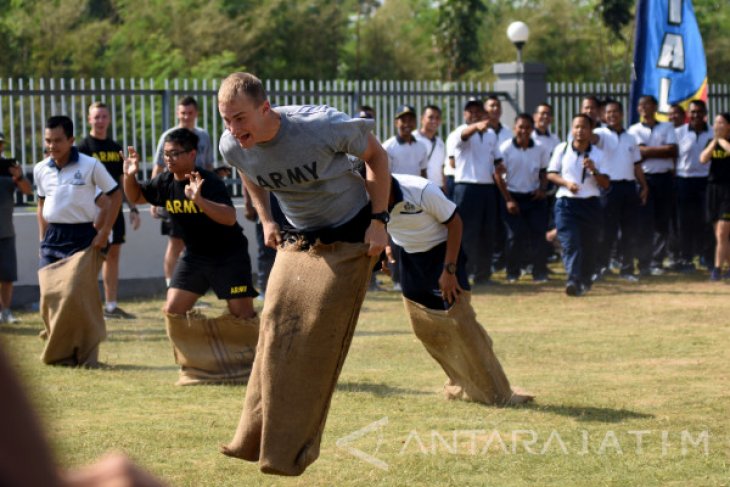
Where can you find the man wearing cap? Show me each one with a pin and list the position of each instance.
(11, 177)
(428, 135)
(476, 150)
(405, 154)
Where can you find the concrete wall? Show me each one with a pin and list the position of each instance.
(140, 267)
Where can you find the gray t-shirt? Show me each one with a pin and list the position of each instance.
(204, 156)
(7, 203)
(306, 165)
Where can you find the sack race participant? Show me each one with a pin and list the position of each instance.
(427, 227)
(216, 256)
(321, 272)
(70, 186)
(71, 309)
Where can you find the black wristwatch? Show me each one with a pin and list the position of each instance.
(134, 210)
(450, 268)
(383, 216)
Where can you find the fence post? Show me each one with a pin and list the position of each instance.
(166, 109)
(526, 81)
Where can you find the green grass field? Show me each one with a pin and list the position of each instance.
(632, 385)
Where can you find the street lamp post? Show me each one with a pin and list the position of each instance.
(518, 33)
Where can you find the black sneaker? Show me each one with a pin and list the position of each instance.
(572, 289)
(118, 313)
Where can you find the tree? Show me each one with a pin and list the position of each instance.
(457, 35)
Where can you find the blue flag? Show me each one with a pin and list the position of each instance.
(669, 60)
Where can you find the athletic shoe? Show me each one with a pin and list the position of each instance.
(629, 277)
(7, 317)
(715, 274)
(118, 313)
(540, 279)
(397, 287)
(572, 289)
(657, 271)
(512, 278)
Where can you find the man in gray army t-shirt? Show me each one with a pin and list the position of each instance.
(336, 227)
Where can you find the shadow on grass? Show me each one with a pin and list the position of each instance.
(385, 333)
(127, 367)
(378, 390)
(589, 413)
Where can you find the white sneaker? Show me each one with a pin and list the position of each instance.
(7, 317)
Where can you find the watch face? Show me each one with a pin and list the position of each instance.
(451, 268)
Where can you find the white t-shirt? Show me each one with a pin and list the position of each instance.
(436, 150)
(503, 133)
(450, 149)
(406, 157)
(567, 162)
(691, 144)
(70, 193)
(547, 140)
(475, 157)
(419, 213)
(660, 134)
(523, 165)
(620, 153)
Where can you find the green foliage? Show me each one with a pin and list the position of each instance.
(459, 22)
(327, 39)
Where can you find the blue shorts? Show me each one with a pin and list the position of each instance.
(65, 239)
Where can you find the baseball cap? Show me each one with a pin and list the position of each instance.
(405, 110)
(473, 101)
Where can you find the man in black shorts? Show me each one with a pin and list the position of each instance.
(100, 146)
(215, 256)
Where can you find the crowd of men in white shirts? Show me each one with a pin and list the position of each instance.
(637, 207)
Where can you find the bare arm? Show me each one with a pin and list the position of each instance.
(556, 178)
(658, 151)
(106, 219)
(261, 202)
(448, 283)
(20, 181)
(218, 212)
(377, 184)
(639, 174)
(474, 128)
(499, 172)
(42, 223)
(132, 189)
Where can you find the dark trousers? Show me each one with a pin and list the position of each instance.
(620, 217)
(654, 221)
(449, 187)
(578, 221)
(695, 232)
(526, 235)
(65, 239)
(477, 205)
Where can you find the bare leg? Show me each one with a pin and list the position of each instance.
(179, 301)
(174, 247)
(241, 307)
(722, 252)
(6, 295)
(110, 273)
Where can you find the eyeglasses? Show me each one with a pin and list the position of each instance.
(174, 154)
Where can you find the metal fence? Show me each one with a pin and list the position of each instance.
(142, 109)
(566, 99)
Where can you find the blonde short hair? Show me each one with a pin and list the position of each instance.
(242, 84)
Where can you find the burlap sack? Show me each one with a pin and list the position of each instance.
(72, 310)
(463, 349)
(212, 350)
(313, 300)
